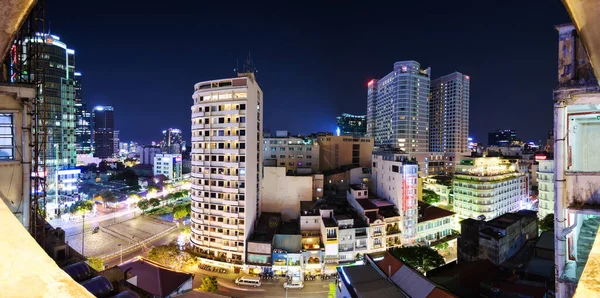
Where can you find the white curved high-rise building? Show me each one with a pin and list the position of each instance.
(226, 172)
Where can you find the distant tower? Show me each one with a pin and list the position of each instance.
(104, 125)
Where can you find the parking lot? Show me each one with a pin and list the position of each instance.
(126, 233)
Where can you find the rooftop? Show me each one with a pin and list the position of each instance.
(368, 282)
(508, 219)
(154, 278)
(428, 212)
(366, 204)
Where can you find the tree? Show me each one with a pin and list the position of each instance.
(143, 204)
(180, 211)
(164, 254)
(128, 175)
(209, 284)
(96, 263)
(430, 197)
(422, 258)
(153, 188)
(81, 207)
(108, 196)
(547, 223)
(154, 202)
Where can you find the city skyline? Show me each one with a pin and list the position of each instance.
(299, 62)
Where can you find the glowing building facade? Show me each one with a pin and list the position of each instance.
(104, 132)
(487, 187)
(83, 133)
(226, 161)
(449, 113)
(396, 179)
(352, 125)
(398, 108)
(172, 142)
(59, 94)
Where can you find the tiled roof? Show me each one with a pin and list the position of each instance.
(154, 278)
(428, 212)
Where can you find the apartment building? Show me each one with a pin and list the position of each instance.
(449, 113)
(545, 178)
(498, 239)
(395, 178)
(337, 151)
(398, 108)
(226, 165)
(169, 165)
(298, 155)
(487, 187)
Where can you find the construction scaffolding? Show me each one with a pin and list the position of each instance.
(24, 68)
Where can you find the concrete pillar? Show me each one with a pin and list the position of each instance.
(560, 200)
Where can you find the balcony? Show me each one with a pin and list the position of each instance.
(197, 139)
(197, 126)
(197, 163)
(583, 189)
(197, 175)
(197, 114)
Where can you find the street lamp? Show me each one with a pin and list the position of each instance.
(119, 245)
(83, 235)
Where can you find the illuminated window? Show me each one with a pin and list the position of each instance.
(7, 137)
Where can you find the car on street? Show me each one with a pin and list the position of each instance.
(293, 285)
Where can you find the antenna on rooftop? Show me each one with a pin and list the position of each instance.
(249, 66)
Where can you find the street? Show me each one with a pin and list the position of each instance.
(143, 250)
(269, 288)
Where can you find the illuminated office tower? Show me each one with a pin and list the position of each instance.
(398, 108)
(83, 133)
(59, 94)
(226, 165)
(104, 132)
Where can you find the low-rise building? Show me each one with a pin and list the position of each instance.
(296, 154)
(387, 277)
(170, 165)
(435, 225)
(498, 239)
(442, 186)
(488, 187)
(337, 181)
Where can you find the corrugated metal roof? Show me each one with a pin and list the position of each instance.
(413, 283)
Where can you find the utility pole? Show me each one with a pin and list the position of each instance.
(83, 235)
(121, 253)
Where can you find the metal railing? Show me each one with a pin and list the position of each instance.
(134, 246)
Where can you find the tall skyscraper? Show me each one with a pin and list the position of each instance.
(226, 165)
(58, 62)
(398, 108)
(116, 142)
(172, 142)
(351, 125)
(449, 114)
(83, 133)
(104, 131)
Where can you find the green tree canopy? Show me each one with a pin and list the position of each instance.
(209, 284)
(143, 204)
(180, 211)
(164, 254)
(547, 223)
(108, 196)
(154, 202)
(96, 263)
(430, 197)
(422, 258)
(82, 207)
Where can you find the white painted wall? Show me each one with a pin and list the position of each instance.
(281, 193)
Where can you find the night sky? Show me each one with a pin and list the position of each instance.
(314, 59)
